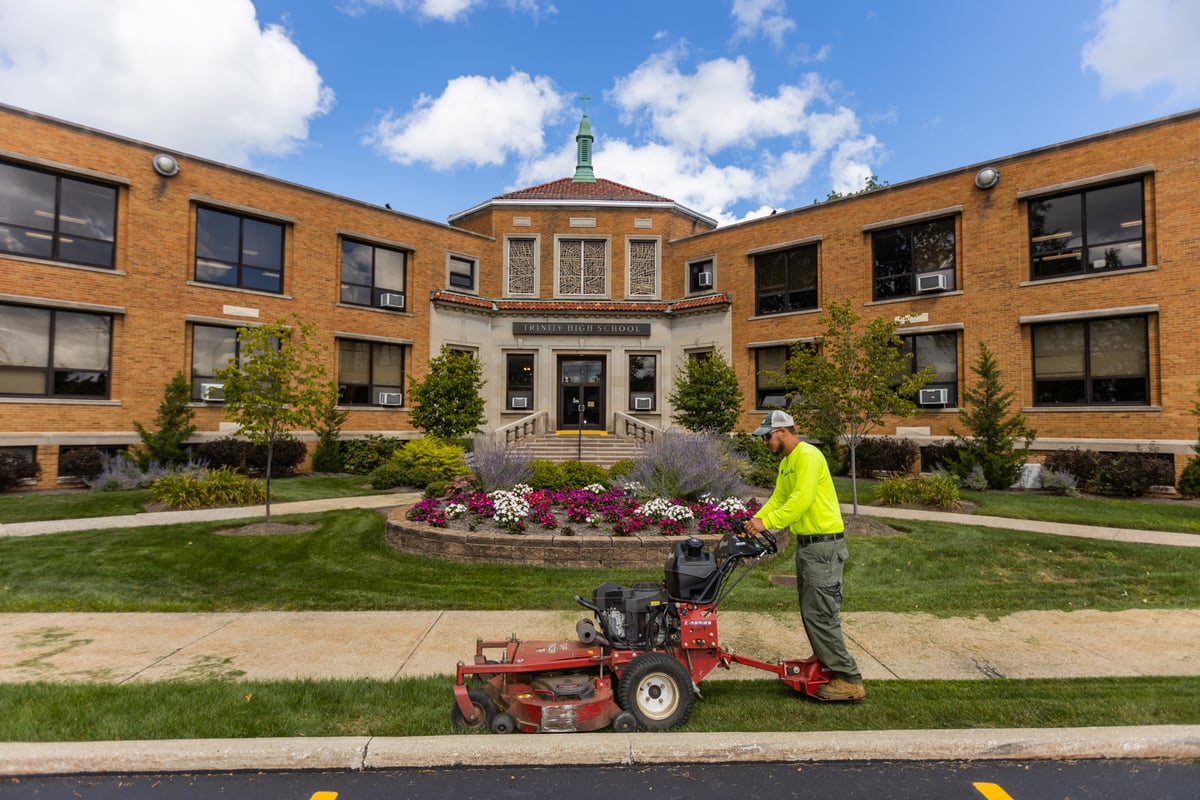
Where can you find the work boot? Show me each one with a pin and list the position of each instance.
(838, 689)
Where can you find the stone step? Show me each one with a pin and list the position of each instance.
(601, 450)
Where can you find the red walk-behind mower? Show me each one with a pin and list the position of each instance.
(636, 667)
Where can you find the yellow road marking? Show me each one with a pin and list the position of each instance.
(992, 792)
(324, 796)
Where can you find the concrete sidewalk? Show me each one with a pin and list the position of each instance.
(120, 648)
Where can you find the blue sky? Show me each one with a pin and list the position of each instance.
(730, 107)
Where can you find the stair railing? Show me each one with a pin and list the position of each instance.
(526, 427)
(633, 428)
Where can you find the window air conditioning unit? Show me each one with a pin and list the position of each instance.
(934, 397)
(212, 392)
(520, 402)
(391, 301)
(642, 403)
(704, 280)
(391, 398)
(931, 283)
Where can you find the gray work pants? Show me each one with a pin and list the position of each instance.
(819, 568)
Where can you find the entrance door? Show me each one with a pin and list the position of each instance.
(581, 393)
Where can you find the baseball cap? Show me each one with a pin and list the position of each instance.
(774, 419)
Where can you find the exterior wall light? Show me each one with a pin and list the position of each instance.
(165, 165)
(987, 177)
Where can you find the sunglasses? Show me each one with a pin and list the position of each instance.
(766, 437)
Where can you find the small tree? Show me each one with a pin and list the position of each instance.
(707, 398)
(327, 456)
(168, 444)
(845, 386)
(446, 402)
(994, 433)
(279, 385)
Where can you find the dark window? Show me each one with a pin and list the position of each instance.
(51, 353)
(234, 250)
(940, 351)
(370, 373)
(1086, 232)
(700, 276)
(909, 260)
(49, 216)
(1092, 362)
(770, 365)
(785, 280)
(519, 386)
(462, 273)
(372, 275)
(643, 383)
(213, 348)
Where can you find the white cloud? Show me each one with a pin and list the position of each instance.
(714, 108)
(767, 18)
(692, 120)
(205, 78)
(1143, 43)
(444, 10)
(476, 121)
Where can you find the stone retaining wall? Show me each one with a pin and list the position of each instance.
(585, 550)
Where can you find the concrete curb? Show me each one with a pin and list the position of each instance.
(1176, 742)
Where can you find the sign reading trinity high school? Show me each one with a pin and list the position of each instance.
(581, 329)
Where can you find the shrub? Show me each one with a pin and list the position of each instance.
(14, 470)
(546, 475)
(497, 467)
(419, 463)
(1189, 480)
(1062, 483)
(224, 453)
(884, 454)
(208, 489)
(1082, 464)
(939, 455)
(937, 490)
(618, 470)
(1114, 474)
(1132, 474)
(122, 473)
(286, 456)
(84, 463)
(688, 465)
(436, 489)
(361, 456)
(578, 474)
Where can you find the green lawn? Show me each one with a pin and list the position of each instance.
(344, 563)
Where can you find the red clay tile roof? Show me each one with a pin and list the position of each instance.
(567, 189)
(560, 306)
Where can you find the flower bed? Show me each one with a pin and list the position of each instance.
(589, 527)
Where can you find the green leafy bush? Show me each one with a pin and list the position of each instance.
(578, 474)
(618, 470)
(419, 463)
(937, 490)
(1189, 481)
(208, 489)
(362, 456)
(546, 475)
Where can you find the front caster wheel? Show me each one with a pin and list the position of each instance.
(624, 722)
(485, 712)
(657, 691)
(503, 723)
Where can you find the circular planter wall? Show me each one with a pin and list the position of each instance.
(583, 550)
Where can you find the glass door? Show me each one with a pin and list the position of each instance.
(581, 393)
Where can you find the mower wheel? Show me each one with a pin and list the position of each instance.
(624, 722)
(485, 712)
(503, 723)
(657, 690)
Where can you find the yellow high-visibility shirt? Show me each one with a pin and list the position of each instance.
(805, 499)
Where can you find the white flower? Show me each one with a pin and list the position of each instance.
(657, 508)
(455, 510)
(510, 508)
(595, 488)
